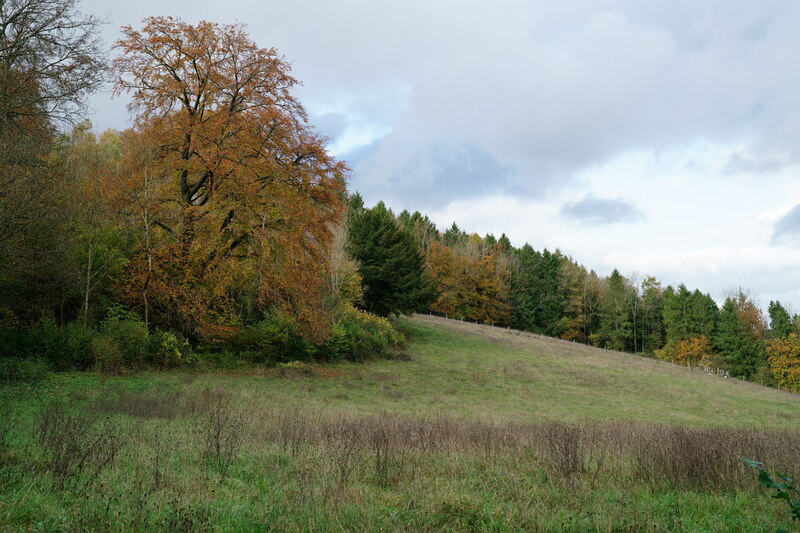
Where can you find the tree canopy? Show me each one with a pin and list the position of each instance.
(388, 259)
(251, 195)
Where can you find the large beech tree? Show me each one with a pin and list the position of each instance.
(246, 194)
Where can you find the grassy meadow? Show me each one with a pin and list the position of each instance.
(477, 429)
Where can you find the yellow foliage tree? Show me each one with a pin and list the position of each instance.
(784, 361)
(694, 351)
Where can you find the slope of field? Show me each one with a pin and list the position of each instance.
(478, 370)
(483, 429)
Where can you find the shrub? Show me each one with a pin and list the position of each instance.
(694, 351)
(131, 338)
(358, 335)
(76, 348)
(65, 348)
(166, 350)
(17, 370)
(220, 359)
(106, 353)
(273, 339)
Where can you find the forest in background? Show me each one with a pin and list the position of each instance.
(218, 229)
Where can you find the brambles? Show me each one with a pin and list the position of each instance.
(782, 485)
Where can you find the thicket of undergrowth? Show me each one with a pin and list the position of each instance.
(119, 344)
(149, 460)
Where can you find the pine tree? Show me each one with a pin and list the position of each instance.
(652, 328)
(523, 307)
(675, 313)
(736, 342)
(389, 261)
(780, 324)
(702, 315)
(538, 296)
(615, 313)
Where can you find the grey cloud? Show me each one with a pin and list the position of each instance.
(546, 88)
(756, 163)
(428, 178)
(788, 226)
(594, 210)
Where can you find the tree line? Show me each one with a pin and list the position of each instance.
(486, 279)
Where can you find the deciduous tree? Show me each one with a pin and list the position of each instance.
(253, 196)
(784, 361)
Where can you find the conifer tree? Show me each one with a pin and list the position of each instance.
(736, 341)
(780, 324)
(675, 313)
(389, 261)
(615, 319)
(538, 296)
(652, 328)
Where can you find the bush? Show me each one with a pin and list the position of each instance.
(220, 359)
(76, 349)
(120, 344)
(166, 350)
(65, 348)
(17, 370)
(358, 335)
(106, 353)
(275, 339)
(131, 338)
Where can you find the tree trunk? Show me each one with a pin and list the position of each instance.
(88, 288)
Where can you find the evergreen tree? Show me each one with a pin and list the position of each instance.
(583, 290)
(675, 313)
(741, 350)
(552, 296)
(389, 261)
(523, 304)
(688, 314)
(504, 243)
(780, 324)
(454, 236)
(652, 323)
(702, 315)
(538, 296)
(615, 313)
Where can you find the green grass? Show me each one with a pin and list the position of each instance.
(484, 430)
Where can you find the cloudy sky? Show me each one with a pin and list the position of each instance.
(659, 137)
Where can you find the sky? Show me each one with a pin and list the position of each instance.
(661, 138)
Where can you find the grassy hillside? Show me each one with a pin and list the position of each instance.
(482, 429)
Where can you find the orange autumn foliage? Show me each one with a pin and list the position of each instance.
(471, 286)
(239, 190)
